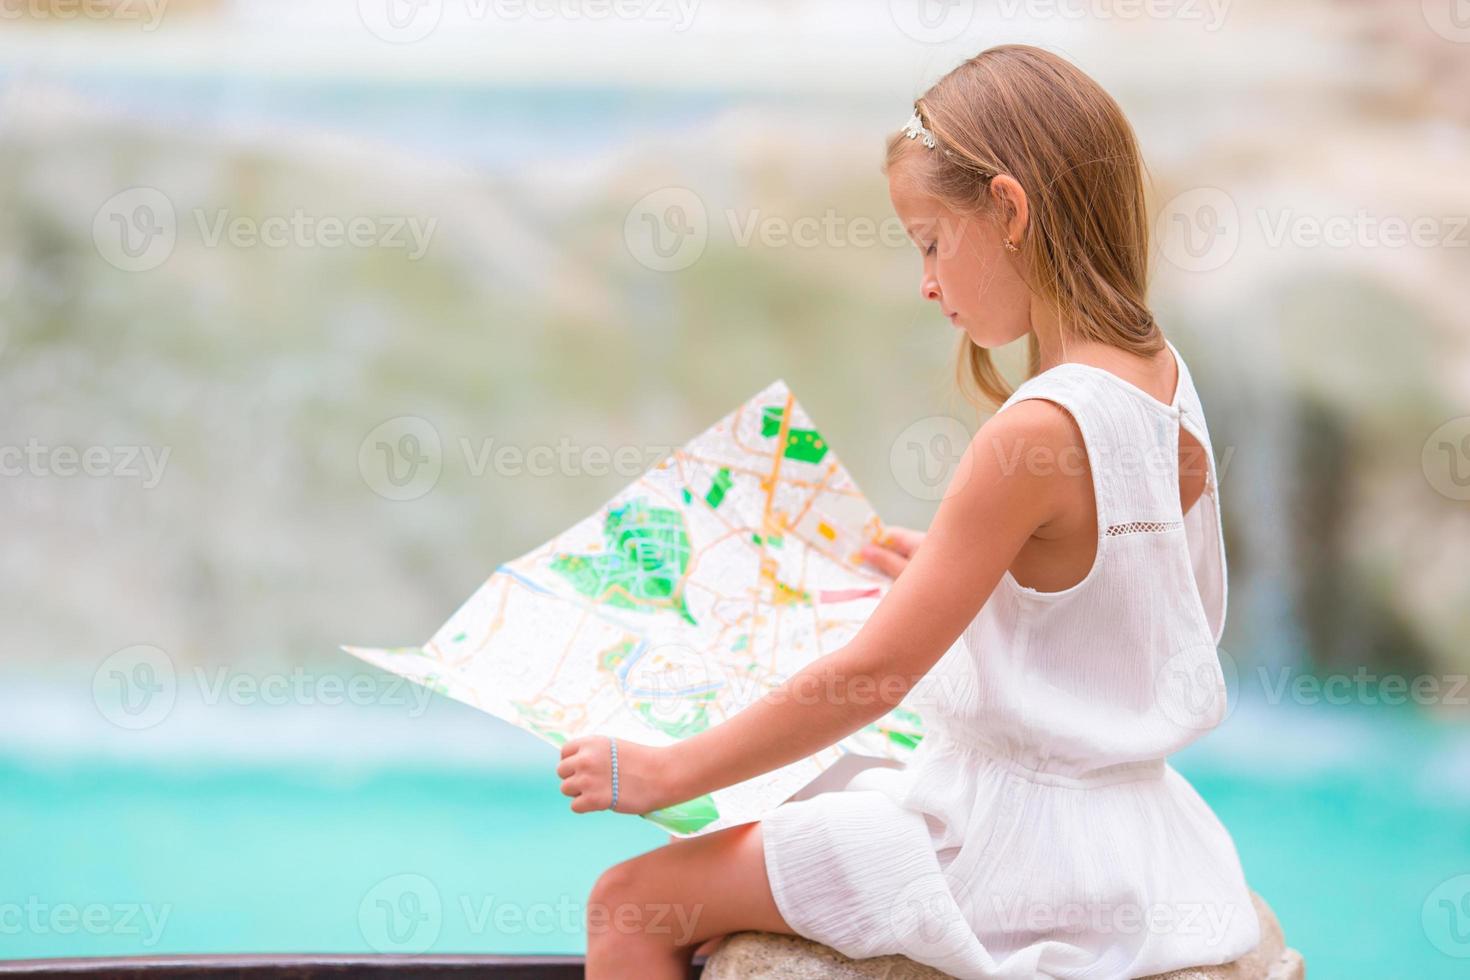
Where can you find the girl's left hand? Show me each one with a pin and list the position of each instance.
(586, 775)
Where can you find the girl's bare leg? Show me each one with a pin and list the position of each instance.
(647, 915)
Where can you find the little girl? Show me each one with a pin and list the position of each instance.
(1056, 627)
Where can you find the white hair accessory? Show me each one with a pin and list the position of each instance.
(915, 129)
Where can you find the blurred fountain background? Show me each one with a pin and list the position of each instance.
(576, 229)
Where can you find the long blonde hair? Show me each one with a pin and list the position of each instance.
(1019, 110)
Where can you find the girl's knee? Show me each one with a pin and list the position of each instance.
(625, 906)
(613, 894)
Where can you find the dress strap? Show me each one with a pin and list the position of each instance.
(1131, 439)
(1132, 442)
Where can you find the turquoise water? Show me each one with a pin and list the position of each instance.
(1347, 842)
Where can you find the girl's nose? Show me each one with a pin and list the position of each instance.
(929, 288)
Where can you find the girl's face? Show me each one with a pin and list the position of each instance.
(967, 269)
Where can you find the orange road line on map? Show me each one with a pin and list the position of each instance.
(770, 483)
(813, 498)
(817, 631)
(779, 455)
(494, 625)
(770, 488)
(499, 620)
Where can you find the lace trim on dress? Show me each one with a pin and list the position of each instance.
(1143, 527)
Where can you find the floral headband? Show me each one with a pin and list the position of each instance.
(914, 129)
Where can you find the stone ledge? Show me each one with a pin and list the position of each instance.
(773, 956)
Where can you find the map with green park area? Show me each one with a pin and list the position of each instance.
(700, 587)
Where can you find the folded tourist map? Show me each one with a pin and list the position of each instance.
(721, 571)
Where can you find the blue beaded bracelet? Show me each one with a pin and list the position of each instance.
(614, 804)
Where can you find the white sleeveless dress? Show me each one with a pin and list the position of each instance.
(1038, 830)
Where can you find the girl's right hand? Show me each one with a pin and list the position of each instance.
(893, 550)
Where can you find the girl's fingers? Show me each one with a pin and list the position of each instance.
(884, 560)
(903, 540)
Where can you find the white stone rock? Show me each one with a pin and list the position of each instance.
(773, 956)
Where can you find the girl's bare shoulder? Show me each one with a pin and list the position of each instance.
(1034, 423)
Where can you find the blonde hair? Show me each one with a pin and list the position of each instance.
(1019, 110)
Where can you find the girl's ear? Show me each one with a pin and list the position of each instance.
(1010, 197)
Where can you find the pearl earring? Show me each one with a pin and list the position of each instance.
(1010, 247)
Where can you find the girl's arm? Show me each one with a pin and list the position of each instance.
(999, 496)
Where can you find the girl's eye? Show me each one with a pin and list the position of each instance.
(929, 249)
